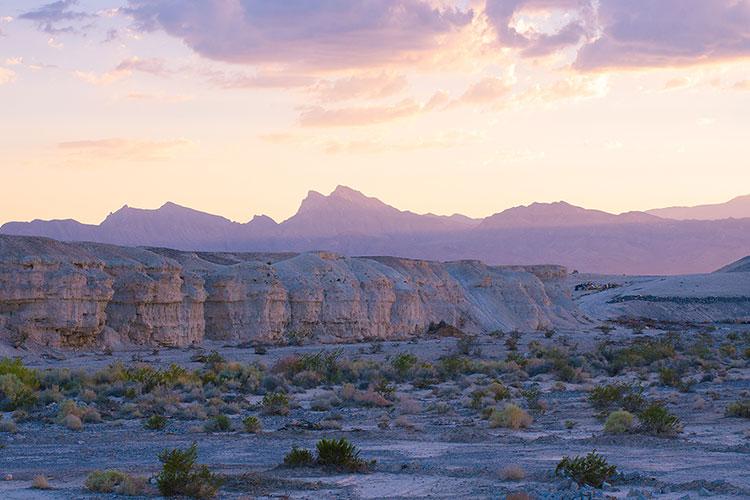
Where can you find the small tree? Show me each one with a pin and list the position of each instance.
(181, 476)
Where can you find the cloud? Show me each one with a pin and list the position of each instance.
(318, 116)
(263, 80)
(118, 149)
(301, 33)
(48, 17)
(166, 98)
(486, 90)
(6, 75)
(623, 34)
(656, 33)
(572, 87)
(742, 85)
(369, 86)
(534, 40)
(124, 69)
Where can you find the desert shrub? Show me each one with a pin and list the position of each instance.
(251, 424)
(403, 364)
(40, 483)
(498, 390)
(450, 366)
(181, 476)
(339, 453)
(467, 345)
(674, 377)
(532, 395)
(14, 393)
(607, 397)
(299, 457)
(656, 419)
(618, 422)
(113, 481)
(7, 425)
(155, 423)
(641, 353)
(73, 422)
(510, 416)
(27, 376)
(513, 473)
(739, 409)
(326, 364)
(220, 423)
(592, 470)
(275, 403)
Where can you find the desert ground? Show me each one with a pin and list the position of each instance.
(432, 413)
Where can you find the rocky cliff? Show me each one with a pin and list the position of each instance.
(75, 295)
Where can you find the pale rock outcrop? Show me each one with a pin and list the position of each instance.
(51, 293)
(80, 294)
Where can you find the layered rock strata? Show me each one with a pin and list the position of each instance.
(72, 295)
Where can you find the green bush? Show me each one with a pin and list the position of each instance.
(14, 393)
(592, 470)
(155, 423)
(739, 409)
(27, 376)
(252, 424)
(181, 476)
(299, 457)
(339, 453)
(113, 481)
(220, 423)
(403, 363)
(275, 403)
(614, 396)
(619, 422)
(657, 420)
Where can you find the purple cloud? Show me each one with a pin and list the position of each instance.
(502, 12)
(646, 33)
(632, 33)
(312, 33)
(48, 16)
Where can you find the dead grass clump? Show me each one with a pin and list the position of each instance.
(40, 483)
(72, 422)
(409, 406)
(513, 473)
(114, 481)
(512, 417)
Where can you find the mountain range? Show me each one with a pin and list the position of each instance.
(661, 241)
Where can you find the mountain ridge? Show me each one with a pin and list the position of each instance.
(348, 222)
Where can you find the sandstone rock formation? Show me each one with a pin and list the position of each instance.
(67, 295)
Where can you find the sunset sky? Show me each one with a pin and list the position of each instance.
(238, 107)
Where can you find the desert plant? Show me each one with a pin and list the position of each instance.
(73, 422)
(739, 408)
(619, 422)
(113, 481)
(220, 423)
(155, 423)
(299, 457)
(403, 363)
(275, 403)
(510, 416)
(339, 453)
(592, 470)
(181, 476)
(656, 419)
(513, 473)
(40, 482)
(14, 393)
(251, 424)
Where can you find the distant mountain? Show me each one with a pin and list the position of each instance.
(560, 214)
(348, 222)
(349, 212)
(737, 208)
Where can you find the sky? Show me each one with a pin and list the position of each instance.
(239, 107)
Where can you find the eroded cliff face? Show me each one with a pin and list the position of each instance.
(67, 295)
